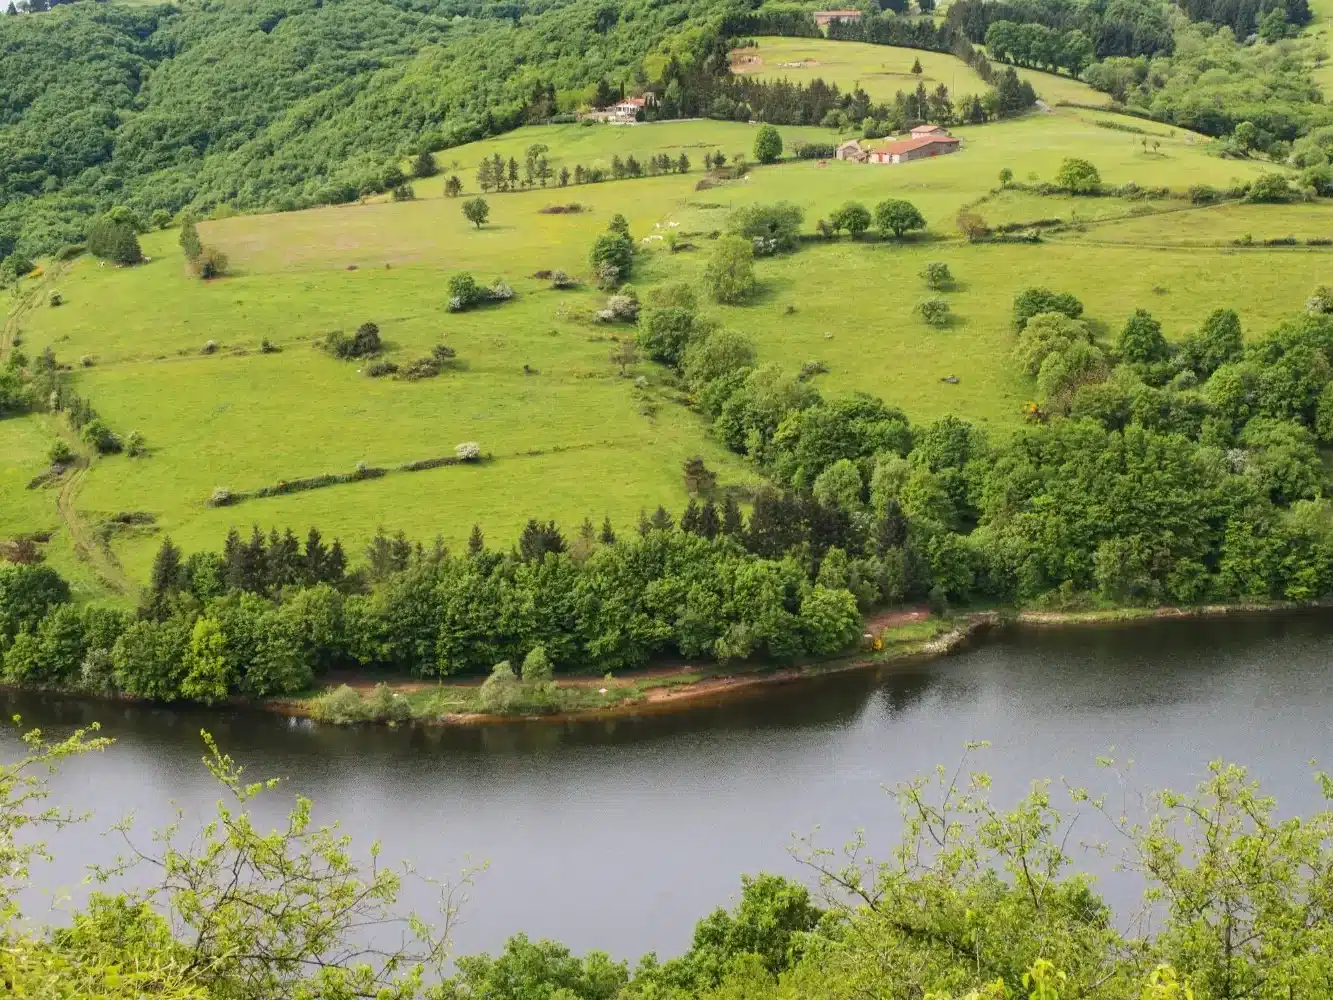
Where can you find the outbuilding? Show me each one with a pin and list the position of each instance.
(906, 150)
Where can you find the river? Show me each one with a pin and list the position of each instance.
(619, 834)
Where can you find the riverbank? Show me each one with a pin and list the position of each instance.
(901, 636)
(897, 637)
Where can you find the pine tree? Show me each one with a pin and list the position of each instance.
(315, 560)
(254, 560)
(732, 522)
(424, 166)
(661, 520)
(689, 520)
(336, 566)
(513, 173)
(166, 576)
(608, 534)
(284, 566)
(645, 525)
(476, 542)
(233, 560)
(708, 521)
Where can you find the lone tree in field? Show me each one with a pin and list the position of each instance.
(453, 187)
(424, 165)
(612, 256)
(189, 239)
(897, 217)
(916, 67)
(1078, 176)
(1006, 177)
(729, 273)
(476, 211)
(767, 144)
(624, 355)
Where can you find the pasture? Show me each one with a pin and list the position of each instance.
(882, 70)
(570, 438)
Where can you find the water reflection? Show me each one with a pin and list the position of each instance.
(618, 833)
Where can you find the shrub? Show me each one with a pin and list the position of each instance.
(211, 347)
(404, 192)
(767, 144)
(934, 311)
(612, 259)
(464, 291)
(770, 228)
(364, 343)
(729, 274)
(1320, 301)
(1269, 189)
(853, 217)
(467, 451)
(1318, 178)
(499, 291)
(210, 263)
(1031, 301)
(571, 208)
(220, 497)
(561, 280)
(1078, 176)
(386, 705)
(972, 226)
(60, 453)
(937, 276)
(1203, 194)
(500, 691)
(267, 346)
(381, 368)
(99, 436)
(621, 308)
(896, 217)
(814, 150)
(135, 446)
(341, 706)
(56, 299)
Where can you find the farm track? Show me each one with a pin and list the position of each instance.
(86, 546)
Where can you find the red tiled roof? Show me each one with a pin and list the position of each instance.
(907, 145)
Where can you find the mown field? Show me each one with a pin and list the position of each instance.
(882, 70)
(569, 437)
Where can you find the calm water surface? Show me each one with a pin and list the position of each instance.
(620, 834)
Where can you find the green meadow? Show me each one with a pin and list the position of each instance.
(568, 437)
(882, 70)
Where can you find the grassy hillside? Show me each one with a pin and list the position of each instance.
(882, 70)
(569, 437)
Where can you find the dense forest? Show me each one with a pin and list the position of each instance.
(280, 105)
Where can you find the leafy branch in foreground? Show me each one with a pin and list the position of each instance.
(288, 913)
(23, 791)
